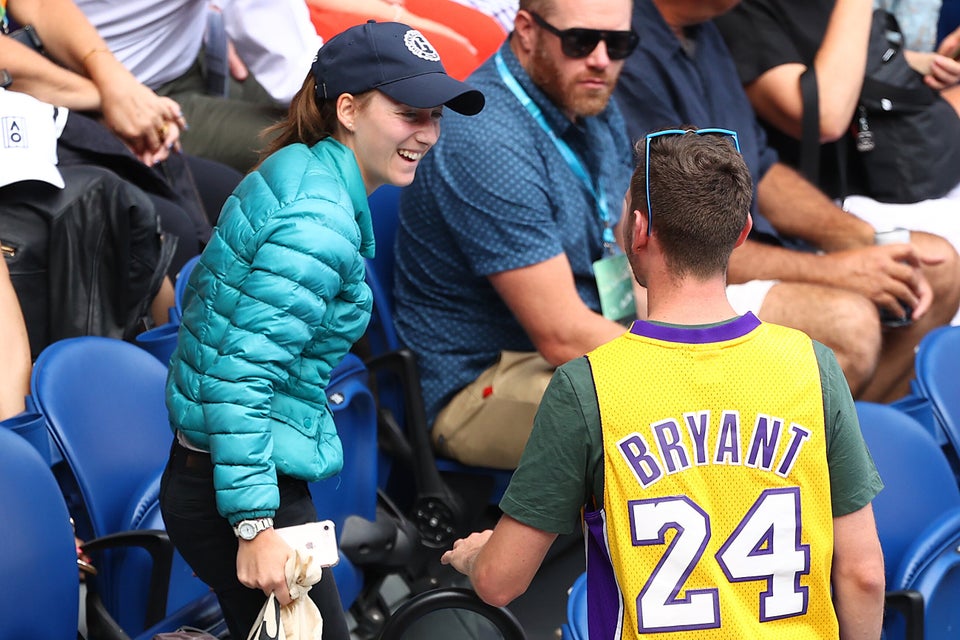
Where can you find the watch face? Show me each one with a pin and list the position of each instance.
(247, 530)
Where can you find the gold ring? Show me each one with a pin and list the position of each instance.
(162, 130)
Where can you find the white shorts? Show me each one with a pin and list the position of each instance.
(749, 296)
(940, 216)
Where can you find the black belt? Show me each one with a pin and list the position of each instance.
(183, 458)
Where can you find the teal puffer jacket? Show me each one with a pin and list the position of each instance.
(275, 302)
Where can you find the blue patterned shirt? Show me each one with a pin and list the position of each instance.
(494, 195)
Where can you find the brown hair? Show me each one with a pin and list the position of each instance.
(541, 7)
(700, 191)
(308, 121)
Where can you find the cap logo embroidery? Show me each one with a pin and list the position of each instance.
(419, 46)
(14, 132)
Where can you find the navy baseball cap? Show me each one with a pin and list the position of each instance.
(394, 59)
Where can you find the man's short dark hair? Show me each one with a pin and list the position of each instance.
(700, 193)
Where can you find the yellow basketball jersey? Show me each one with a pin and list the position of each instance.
(716, 513)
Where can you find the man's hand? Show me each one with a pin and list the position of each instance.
(888, 275)
(261, 564)
(464, 553)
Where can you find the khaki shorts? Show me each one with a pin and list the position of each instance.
(488, 422)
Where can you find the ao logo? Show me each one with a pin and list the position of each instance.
(14, 132)
(420, 46)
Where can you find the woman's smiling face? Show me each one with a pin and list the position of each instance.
(389, 138)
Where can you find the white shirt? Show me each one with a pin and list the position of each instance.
(157, 40)
(275, 39)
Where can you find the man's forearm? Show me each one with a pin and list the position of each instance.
(798, 209)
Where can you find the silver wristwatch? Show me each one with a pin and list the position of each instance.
(248, 529)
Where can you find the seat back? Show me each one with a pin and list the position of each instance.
(919, 486)
(39, 561)
(576, 627)
(103, 400)
(354, 490)
(937, 368)
(917, 514)
(385, 213)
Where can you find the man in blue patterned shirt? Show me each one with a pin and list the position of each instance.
(498, 235)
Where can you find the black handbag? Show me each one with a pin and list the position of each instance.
(907, 137)
(904, 145)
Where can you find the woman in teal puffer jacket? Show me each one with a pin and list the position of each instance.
(274, 304)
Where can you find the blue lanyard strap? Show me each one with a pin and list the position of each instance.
(571, 158)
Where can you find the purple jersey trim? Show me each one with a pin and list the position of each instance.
(736, 328)
(604, 614)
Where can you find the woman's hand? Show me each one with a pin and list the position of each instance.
(939, 72)
(261, 564)
(149, 124)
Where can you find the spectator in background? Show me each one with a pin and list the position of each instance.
(115, 121)
(830, 37)
(272, 41)
(463, 36)
(807, 264)
(161, 43)
(501, 229)
(774, 538)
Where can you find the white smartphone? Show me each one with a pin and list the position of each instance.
(317, 540)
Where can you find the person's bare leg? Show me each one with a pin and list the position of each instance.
(162, 302)
(15, 372)
(895, 368)
(842, 320)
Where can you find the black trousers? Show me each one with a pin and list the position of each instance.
(206, 541)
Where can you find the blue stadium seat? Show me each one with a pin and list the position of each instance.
(575, 628)
(39, 562)
(103, 400)
(354, 491)
(937, 369)
(918, 519)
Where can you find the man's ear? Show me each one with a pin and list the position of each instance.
(640, 237)
(347, 111)
(523, 28)
(746, 231)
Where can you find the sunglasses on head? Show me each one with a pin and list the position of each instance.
(677, 132)
(579, 43)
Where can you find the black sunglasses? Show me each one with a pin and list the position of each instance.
(579, 43)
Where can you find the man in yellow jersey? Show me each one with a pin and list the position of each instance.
(717, 459)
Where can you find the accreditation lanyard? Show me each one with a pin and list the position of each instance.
(571, 158)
